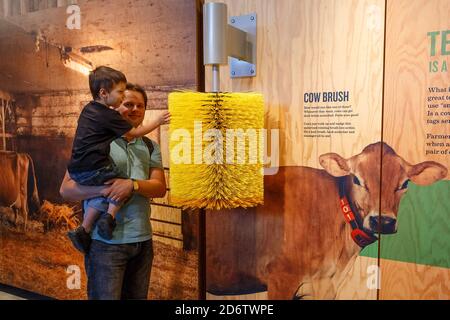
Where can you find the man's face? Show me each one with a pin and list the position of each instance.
(133, 107)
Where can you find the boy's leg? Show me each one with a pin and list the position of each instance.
(107, 222)
(113, 208)
(89, 219)
(80, 237)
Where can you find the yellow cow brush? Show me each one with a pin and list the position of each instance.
(216, 150)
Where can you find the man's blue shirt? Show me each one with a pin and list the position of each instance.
(133, 219)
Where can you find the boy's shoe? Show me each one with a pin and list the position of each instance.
(106, 224)
(81, 240)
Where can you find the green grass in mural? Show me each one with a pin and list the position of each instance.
(423, 235)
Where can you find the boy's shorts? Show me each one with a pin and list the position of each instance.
(98, 177)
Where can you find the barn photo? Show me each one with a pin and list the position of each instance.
(46, 51)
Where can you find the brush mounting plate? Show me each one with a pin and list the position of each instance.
(240, 68)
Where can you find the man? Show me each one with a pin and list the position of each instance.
(120, 268)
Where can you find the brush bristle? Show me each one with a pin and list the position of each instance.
(206, 174)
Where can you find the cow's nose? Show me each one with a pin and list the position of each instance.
(387, 225)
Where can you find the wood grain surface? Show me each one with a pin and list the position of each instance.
(303, 46)
(419, 255)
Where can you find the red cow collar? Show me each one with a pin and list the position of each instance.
(358, 235)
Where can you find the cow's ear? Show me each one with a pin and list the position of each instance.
(426, 173)
(334, 164)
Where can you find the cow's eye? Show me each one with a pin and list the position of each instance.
(404, 185)
(356, 181)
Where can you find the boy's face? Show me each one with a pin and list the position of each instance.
(115, 97)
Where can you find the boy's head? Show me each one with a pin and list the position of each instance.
(107, 85)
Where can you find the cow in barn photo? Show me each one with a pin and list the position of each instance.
(312, 226)
(18, 188)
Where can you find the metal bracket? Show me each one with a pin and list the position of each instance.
(240, 68)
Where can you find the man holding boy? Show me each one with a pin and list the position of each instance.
(120, 268)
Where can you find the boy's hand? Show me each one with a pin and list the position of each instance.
(118, 189)
(164, 118)
(124, 111)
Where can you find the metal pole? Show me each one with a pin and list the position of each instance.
(215, 39)
(215, 78)
(215, 33)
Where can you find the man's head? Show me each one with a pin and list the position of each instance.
(134, 104)
(107, 86)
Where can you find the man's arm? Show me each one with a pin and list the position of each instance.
(155, 187)
(117, 189)
(72, 191)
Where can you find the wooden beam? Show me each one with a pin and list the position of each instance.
(6, 11)
(61, 3)
(52, 3)
(24, 7)
(42, 4)
(14, 8)
(4, 124)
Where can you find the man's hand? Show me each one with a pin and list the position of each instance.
(118, 189)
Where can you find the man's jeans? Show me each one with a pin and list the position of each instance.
(119, 271)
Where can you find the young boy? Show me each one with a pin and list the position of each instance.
(98, 125)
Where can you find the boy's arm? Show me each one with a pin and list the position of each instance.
(144, 129)
(72, 191)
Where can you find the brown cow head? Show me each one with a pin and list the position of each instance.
(364, 173)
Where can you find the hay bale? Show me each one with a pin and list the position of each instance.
(58, 216)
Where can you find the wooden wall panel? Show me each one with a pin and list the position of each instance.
(314, 46)
(166, 222)
(355, 284)
(410, 281)
(415, 262)
(303, 46)
(408, 78)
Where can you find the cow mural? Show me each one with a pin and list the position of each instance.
(312, 226)
(18, 188)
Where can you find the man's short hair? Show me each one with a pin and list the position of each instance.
(138, 88)
(104, 77)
